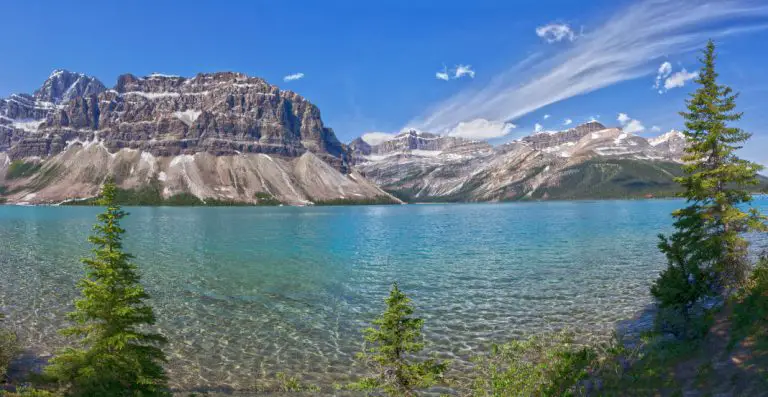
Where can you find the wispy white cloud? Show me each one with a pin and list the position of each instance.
(630, 125)
(655, 128)
(481, 129)
(567, 122)
(463, 70)
(555, 32)
(621, 49)
(456, 73)
(538, 127)
(375, 138)
(292, 77)
(678, 79)
(546, 116)
(443, 74)
(664, 70)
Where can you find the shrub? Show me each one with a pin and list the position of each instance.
(26, 391)
(292, 384)
(750, 315)
(393, 339)
(9, 348)
(546, 365)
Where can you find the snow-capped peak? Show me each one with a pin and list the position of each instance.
(665, 137)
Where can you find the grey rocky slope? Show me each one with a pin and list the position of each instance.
(225, 136)
(588, 161)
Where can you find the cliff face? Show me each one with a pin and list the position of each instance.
(218, 113)
(238, 134)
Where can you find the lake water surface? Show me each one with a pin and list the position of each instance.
(243, 293)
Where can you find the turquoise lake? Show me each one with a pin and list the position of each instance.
(243, 293)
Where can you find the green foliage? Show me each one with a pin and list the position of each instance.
(648, 369)
(21, 169)
(716, 180)
(545, 365)
(3, 190)
(9, 348)
(750, 314)
(684, 283)
(26, 391)
(293, 384)
(707, 252)
(117, 355)
(603, 178)
(391, 343)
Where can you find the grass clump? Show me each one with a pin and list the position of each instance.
(292, 384)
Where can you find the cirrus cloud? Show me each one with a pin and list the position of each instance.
(621, 49)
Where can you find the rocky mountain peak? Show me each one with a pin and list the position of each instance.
(62, 86)
(550, 139)
(222, 113)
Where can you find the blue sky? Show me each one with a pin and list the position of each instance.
(373, 66)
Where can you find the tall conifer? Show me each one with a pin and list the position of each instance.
(117, 355)
(708, 252)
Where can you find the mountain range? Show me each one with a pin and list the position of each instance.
(231, 138)
(588, 161)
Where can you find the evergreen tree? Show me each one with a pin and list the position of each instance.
(707, 251)
(393, 339)
(716, 179)
(117, 356)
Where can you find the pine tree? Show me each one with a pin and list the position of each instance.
(707, 252)
(393, 339)
(117, 356)
(716, 179)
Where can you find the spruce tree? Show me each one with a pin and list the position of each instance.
(117, 355)
(393, 340)
(707, 252)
